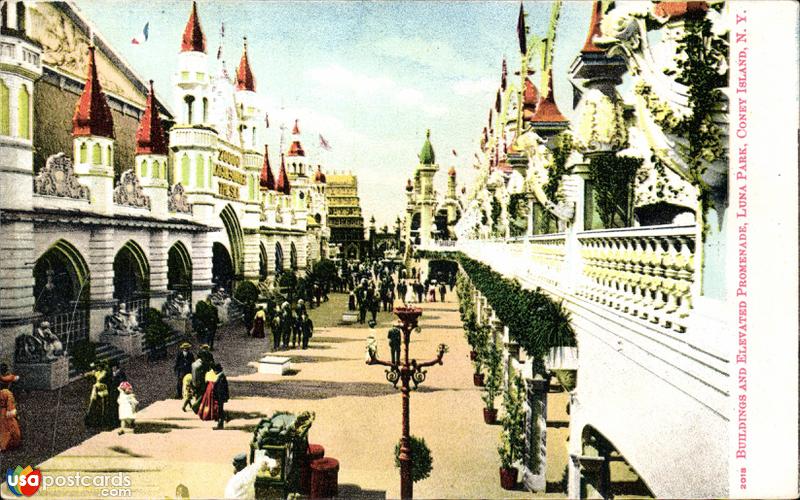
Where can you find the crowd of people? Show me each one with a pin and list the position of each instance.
(290, 326)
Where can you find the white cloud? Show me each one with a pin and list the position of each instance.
(483, 86)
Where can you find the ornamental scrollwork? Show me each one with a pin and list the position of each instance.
(176, 200)
(58, 178)
(129, 192)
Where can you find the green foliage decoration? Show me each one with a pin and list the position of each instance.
(421, 459)
(156, 331)
(205, 318)
(512, 439)
(492, 358)
(613, 179)
(247, 293)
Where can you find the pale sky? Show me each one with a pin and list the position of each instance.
(370, 77)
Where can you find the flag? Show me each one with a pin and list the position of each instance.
(454, 153)
(143, 36)
(497, 104)
(219, 52)
(324, 144)
(523, 38)
(266, 120)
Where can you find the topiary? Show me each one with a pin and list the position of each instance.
(156, 331)
(421, 459)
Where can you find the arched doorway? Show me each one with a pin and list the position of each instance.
(235, 239)
(132, 278)
(179, 270)
(262, 262)
(278, 258)
(292, 257)
(611, 474)
(61, 292)
(221, 267)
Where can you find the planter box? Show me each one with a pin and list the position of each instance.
(490, 416)
(43, 376)
(274, 365)
(508, 478)
(477, 379)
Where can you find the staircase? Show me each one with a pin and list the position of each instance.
(104, 352)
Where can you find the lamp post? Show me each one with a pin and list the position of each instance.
(407, 371)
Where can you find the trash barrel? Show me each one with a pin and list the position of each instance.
(314, 452)
(324, 478)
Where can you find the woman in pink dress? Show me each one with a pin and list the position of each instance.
(10, 435)
(208, 409)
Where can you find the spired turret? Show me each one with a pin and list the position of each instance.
(151, 156)
(192, 79)
(425, 199)
(250, 114)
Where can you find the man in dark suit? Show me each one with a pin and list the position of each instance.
(183, 365)
(221, 394)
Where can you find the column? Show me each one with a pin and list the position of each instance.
(535, 467)
(201, 266)
(16, 285)
(101, 269)
(575, 192)
(251, 255)
(158, 268)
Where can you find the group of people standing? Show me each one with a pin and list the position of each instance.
(112, 402)
(201, 383)
(289, 326)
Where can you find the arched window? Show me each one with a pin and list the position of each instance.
(82, 152)
(109, 161)
(205, 110)
(200, 174)
(24, 101)
(210, 174)
(189, 101)
(255, 136)
(143, 169)
(185, 170)
(5, 101)
(21, 16)
(97, 155)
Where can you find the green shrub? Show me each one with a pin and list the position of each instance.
(492, 359)
(84, 354)
(421, 459)
(512, 438)
(156, 331)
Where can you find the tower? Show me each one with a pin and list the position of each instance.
(451, 196)
(250, 115)
(93, 141)
(298, 173)
(151, 156)
(192, 80)
(426, 169)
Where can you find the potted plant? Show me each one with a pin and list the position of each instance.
(156, 334)
(512, 439)
(422, 463)
(492, 359)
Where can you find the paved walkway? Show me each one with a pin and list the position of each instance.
(357, 419)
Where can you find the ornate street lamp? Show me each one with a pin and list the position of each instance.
(408, 370)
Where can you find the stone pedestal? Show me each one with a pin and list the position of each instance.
(274, 365)
(132, 345)
(43, 376)
(536, 434)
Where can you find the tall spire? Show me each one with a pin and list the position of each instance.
(426, 155)
(267, 181)
(594, 29)
(92, 114)
(194, 40)
(530, 98)
(244, 77)
(283, 186)
(296, 149)
(150, 139)
(546, 109)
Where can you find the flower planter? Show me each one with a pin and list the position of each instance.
(472, 355)
(490, 415)
(477, 379)
(508, 478)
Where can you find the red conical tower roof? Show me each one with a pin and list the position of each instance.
(296, 149)
(530, 98)
(546, 109)
(194, 40)
(150, 138)
(594, 30)
(92, 114)
(452, 172)
(674, 10)
(320, 176)
(244, 77)
(283, 186)
(267, 180)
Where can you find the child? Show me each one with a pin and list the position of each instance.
(127, 407)
(188, 391)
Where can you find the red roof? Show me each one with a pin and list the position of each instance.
(267, 180)
(409, 186)
(150, 138)
(194, 40)
(674, 10)
(283, 186)
(92, 114)
(319, 176)
(244, 77)
(594, 30)
(530, 98)
(296, 149)
(452, 172)
(546, 109)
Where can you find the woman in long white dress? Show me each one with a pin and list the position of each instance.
(409, 298)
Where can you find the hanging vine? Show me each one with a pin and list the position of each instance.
(613, 178)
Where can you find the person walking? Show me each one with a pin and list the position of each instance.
(442, 290)
(259, 322)
(394, 343)
(100, 411)
(374, 303)
(183, 365)
(287, 323)
(306, 329)
(372, 343)
(127, 403)
(420, 290)
(276, 329)
(221, 395)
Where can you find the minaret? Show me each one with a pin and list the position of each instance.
(426, 169)
(410, 207)
(192, 78)
(298, 174)
(250, 119)
(320, 204)
(151, 156)
(93, 141)
(451, 196)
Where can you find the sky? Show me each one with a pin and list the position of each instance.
(370, 77)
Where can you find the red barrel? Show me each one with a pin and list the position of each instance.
(314, 452)
(324, 478)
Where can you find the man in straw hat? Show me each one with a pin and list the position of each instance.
(183, 366)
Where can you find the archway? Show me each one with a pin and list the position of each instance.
(132, 278)
(351, 251)
(179, 270)
(292, 257)
(221, 267)
(262, 262)
(278, 258)
(235, 238)
(61, 291)
(613, 475)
